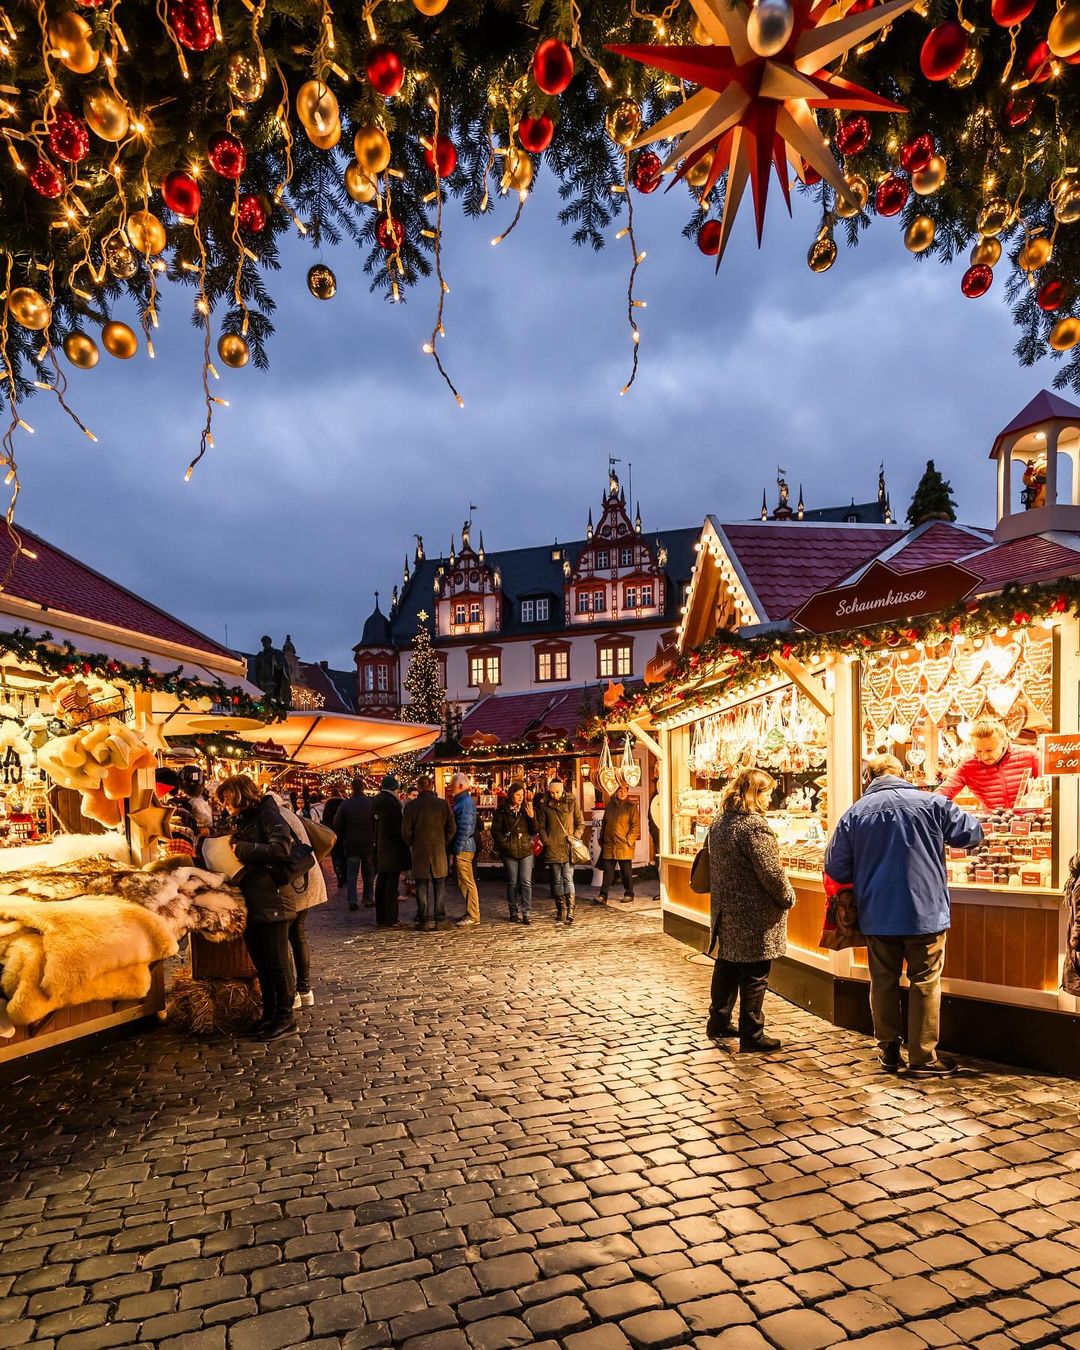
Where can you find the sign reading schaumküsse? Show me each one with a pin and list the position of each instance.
(882, 594)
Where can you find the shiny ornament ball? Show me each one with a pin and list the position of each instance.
(119, 259)
(385, 70)
(46, 179)
(553, 66)
(535, 133)
(622, 121)
(181, 193)
(192, 23)
(371, 146)
(251, 213)
(916, 153)
(321, 282)
(69, 138)
(809, 174)
(854, 135)
(69, 38)
(890, 196)
(977, 280)
(919, 235)
(358, 185)
(769, 26)
(822, 254)
(430, 7)
(324, 141)
(106, 115)
(1035, 253)
(700, 166)
(1052, 295)
(945, 47)
(1067, 204)
(968, 69)
(119, 340)
(226, 154)
(317, 107)
(995, 216)
(30, 308)
(858, 194)
(81, 351)
(708, 239)
(1018, 110)
(233, 350)
(389, 233)
(1037, 66)
(1063, 39)
(1010, 12)
(443, 156)
(146, 232)
(927, 181)
(243, 79)
(1065, 334)
(647, 171)
(518, 173)
(987, 253)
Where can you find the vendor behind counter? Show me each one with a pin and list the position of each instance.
(997, 771)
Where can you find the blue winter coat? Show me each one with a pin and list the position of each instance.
(465, 818)
(890, 847)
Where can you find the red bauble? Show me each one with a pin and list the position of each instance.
(1008, 12)
(251, 213)
(1018, 110)
(1052, 295)
(192, 23)
(810, 175)
(181, 193)
(385, 70)
(445, 154)
(977, 280)
(647, 171)
(854, 135)
(860, 6)
(943, 51)
(389, 233)
(708, 239)
(46, 179)
(917, 152)
(69, 138)
(891, 196)
(90, 4)
(553, 66)
(1037, 66)
(226, 154)
(535, 133)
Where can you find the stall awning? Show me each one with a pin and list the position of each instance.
(339, 740)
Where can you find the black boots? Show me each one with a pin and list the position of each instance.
(570, 909)
(559, 909)
(763, 1044)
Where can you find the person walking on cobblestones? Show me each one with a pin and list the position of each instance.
(512, 831)
(619, 834)
(428, 828)
(559, 821)
(750, 896)
(354, 825)
(391, 855)
(464, 849)
(890, 848)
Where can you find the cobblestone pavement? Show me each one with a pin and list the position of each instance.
(508, 1136)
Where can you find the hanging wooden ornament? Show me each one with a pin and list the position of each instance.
(908, 676)
(937, 672)
(606, 775)
(879, 679)
(630, 768)
(937, 703)
(970, 700)
(909, 708)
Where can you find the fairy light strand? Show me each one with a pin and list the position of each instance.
(632, 302)
(432, 347)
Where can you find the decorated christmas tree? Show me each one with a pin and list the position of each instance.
(422, 679)
(933, 499)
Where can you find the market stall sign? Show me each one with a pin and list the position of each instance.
(268, 750)
(1060, 754)
(882, 594)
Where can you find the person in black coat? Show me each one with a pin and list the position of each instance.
(512, 831)
(391, 853)
(263, 843)
(354, 825)
(334, 804)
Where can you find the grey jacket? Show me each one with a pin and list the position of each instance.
(750, 894)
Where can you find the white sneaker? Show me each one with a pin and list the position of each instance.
(307, 1000)
(296, 1002)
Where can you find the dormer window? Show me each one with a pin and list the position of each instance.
(543, 610)
(475, 611)
(528, 611)
(647, 596)
(602, 557)
(583, 605)
(460, 614)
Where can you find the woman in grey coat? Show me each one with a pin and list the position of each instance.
(749, 900)
(308, 891)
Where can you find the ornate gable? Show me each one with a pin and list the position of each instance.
(619, 577)
(468, 591)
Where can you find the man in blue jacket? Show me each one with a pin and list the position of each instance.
(890, 848)
(464, 849)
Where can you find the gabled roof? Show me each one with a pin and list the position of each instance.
(512, 717)
(334, 686)
(1044, 407)
(935, 542)
(1039, 557)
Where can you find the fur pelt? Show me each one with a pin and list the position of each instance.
(64, 848)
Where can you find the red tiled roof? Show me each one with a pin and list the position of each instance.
(786, 564)
(55, 580)
(510, 717)
(940, 543)
(1044, 407)
(317, 679)
(1033, 559)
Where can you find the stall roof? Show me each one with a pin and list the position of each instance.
(939, 542)
(1039, 557)
(1044, 407)
(340, 740)
(513, 717)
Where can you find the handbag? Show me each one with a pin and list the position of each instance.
(537, 846)
(321, 838)
(579, 851)
(700, 880)
(301, 860)
(840, 928)
(630, 769)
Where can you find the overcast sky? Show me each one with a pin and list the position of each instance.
(327, 465)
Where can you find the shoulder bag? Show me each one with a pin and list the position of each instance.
(700, 881)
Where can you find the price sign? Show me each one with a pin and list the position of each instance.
(1060, 753)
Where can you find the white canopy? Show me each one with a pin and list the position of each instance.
(338, 740)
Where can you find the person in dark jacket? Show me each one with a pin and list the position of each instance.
(354, 825)
(559, 821)
(263, 842)
(750, 896)
(428, 828)
(890, 848)
(334, 804)
(391, 855)
(619, 833)
(512, 831)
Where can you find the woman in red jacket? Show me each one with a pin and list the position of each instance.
(996, 770)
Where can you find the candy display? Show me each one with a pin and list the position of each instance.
(1017, 851)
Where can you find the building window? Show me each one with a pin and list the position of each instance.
(615, 660)
(626, 557)
(459, 613)
(484, 669)
(542, 610)
(552, 666)
(599, 602)
(601, 557)
(647, 597)
(583, 602)
(631, 600)
(383, 678)
(369, 679)
(475, 611)
(528, 611)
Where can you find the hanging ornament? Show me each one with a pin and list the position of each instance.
(809, 174)
(821, 254)
(321, 282)
(119, 340)
(769, 26)
(243, 79)
(919, 235)
(444, 154)
(966, 72)
(1035, 254)
(944, 49)
(622, 121)
(1067, 203)
(916, 153)
(977, 280)
(317, 107)
(518, 173)
(1037, 66)
(430, 7)
(69, 38)
(385, 71)
(1018, 110)
(1065, 334)
(192, 23)
(535, 133)
(854, 135)
(327, 141)
(226, 154)
(1008, 13)
(30, 308)
(388, 233)
(145, 232)
(181, 193)
(1052, 295)
(119, 259)
(233, 350)
(987, 253)
(927, 181)
(69, 138)
(858, 194)
(646, 171)
(708, 239)
(553, 66)
(81, 351)
(106, 115)
(358, 185)
(890, 196)
(995, 216)
(1063, 39)
(46, 179)
(699, 168)
(371, 146)
(251, 213)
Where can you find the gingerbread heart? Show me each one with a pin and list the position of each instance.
(1003, 659)
(970, 701)
(908, 676)
(1017, 719)
(1040, 690)
(908, 709)
(970, 665)
(1001, 697)
(878, 712)
(879, 679)
(938, 703)
(937, 672)
(1039, 656)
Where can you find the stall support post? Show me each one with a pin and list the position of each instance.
(1066, 716)
(842, 758)
(143, 783)
(667, 801)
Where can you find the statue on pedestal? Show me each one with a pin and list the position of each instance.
(270, 671)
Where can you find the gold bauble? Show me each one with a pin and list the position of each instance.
(987, 252)
(430, 7)
(1067, 203)
(822, 254)
(698, 173)
(119, 259)
(30, 308)
(317, 107)
(1063, 38)
(927, 181)
(233, 350)
(995, 216)
(967, 70)
(81, 351)
(859, 189)
(519, 170)
(358, 185)
(699, 34)
(1035, 253)
(321, 282)
(1065, 334)
(622, 121)
(243, 78)
(328, 141)
(919, 235)
(119, 340)
(106, 115)
(69, 42)
(145, 232)
(371, 146)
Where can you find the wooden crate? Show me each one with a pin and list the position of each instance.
(220, 960)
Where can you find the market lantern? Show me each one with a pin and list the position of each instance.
(385, 70)
(181, 193)
(976, 281)
(854, 135)
(226, 155)
(891, 196)
(535, 133)
(553, 66)
(443, 155)
(944, 50)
